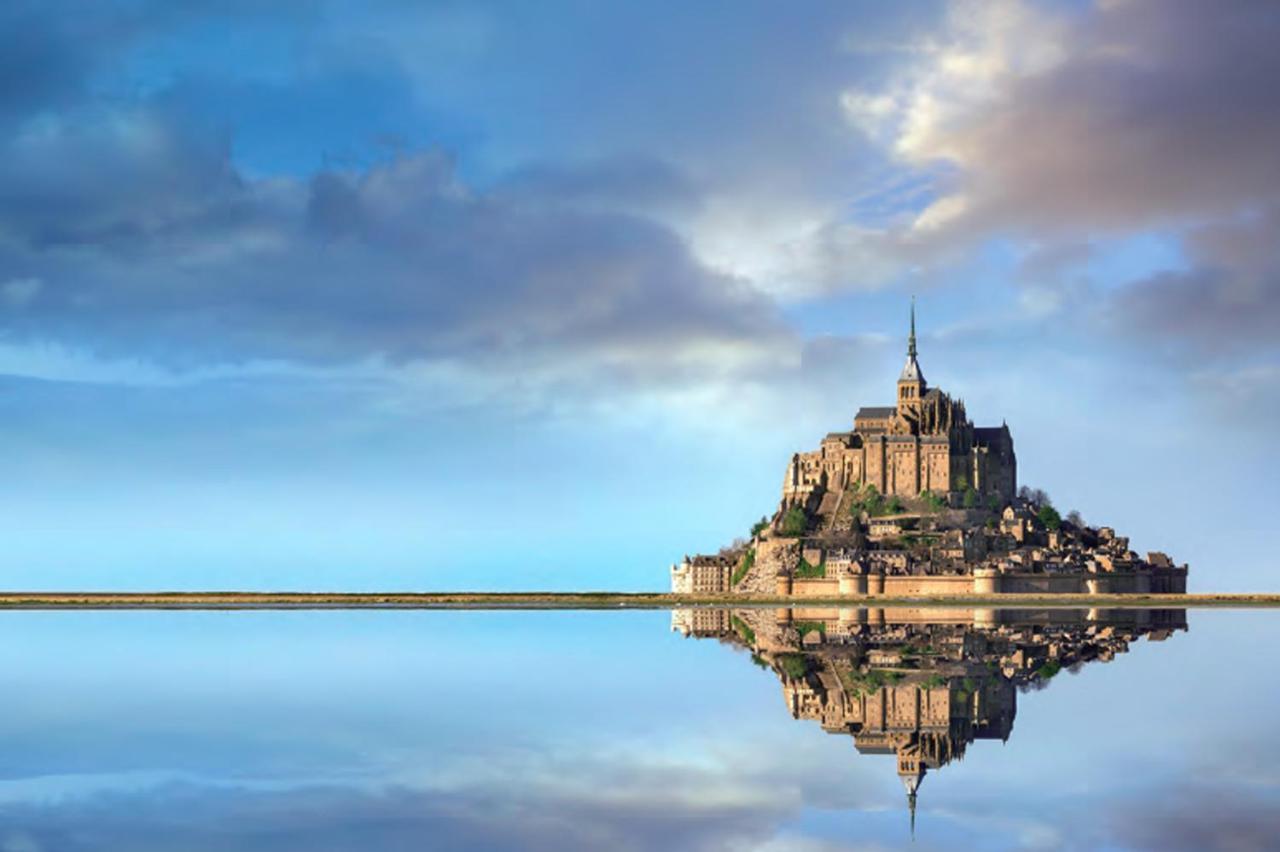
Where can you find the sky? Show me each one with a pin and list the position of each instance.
(543, 296)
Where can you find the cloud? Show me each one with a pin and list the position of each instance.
(557, 804)
(150, 245)
(1227, 298)
(1191, 816)
(1129, 114)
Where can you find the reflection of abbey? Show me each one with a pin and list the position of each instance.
(925, 442)
(916, 500)
(919, 684)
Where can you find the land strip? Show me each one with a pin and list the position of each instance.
(590, 600)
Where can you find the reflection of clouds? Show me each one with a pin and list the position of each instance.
(527, 803)
(1195, 815)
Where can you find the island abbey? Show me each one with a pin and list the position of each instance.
(924, 443)
(916, 500)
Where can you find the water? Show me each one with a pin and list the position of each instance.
(409, 730)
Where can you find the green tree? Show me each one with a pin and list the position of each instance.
(794, 522)
(794, 666)
(933, 501)
(806, 571)
(759, 526)
(970, 498)
(962, 482)
(1049, 517)
(894, 506)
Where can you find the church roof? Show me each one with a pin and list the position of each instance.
(875, 412)
(985, 436)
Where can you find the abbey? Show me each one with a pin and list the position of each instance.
(916, 500)
(925, 442)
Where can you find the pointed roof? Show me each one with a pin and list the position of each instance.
(912, 783)
(911, 370)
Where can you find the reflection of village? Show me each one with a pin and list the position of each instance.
(921, 684)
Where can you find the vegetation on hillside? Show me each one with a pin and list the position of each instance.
(804, 628)
(1049, 517)
(794, 522)
(933, 502)
(805, 571)
(868, 682)
(744, 566)
(794, 666)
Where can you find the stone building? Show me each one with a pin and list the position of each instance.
(924, 442)
(704, 575)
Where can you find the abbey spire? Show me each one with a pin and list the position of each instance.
(911, 341)
(911, 385)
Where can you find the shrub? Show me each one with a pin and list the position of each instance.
(744, 567)
(962, 482)
(894, 506)
(993, 502)
(970, 498)
(933, 502)
(933, 681)
(1048, 670)
(806, 571)
(743, 629)
(804, 628)
(1049, 517)
(759, 526)
(794, 522)
(794, 666)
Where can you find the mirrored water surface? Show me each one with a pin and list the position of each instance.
(705, 729)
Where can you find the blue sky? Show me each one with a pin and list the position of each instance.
(502, 295)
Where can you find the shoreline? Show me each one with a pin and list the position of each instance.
(597, 600)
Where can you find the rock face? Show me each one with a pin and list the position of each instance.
(916, 500)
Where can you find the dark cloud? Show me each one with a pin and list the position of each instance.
(1160, 112)
(628, 183)
(1226, 300)
(149, 244)
(127, 229)
(1195, 816)
(626, 813)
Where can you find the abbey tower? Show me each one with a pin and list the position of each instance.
(925, 442)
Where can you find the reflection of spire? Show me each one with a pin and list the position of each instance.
(911, 776)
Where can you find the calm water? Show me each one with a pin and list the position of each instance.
(400, 730)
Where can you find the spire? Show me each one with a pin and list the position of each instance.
(912, 772)
(911, 370)
(911, 341)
